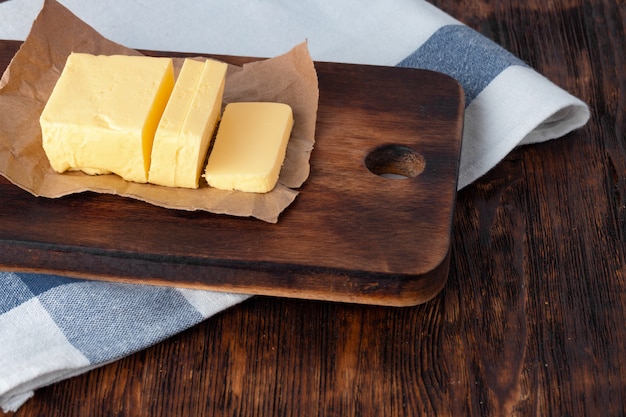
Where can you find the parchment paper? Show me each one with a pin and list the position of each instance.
(30, 77)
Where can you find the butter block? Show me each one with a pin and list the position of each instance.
(186, 128)
(250, 146)
(103, 112)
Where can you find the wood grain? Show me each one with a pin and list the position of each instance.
(351, 235)
(530, 322)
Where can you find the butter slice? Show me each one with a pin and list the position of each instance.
(250, 147)
(103, 112)
(186, 128)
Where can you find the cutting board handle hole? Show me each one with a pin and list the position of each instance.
(395, 161)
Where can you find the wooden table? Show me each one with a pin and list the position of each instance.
(531, 321)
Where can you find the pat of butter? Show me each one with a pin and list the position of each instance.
(187, 125)
(103, 112)
(250, 146)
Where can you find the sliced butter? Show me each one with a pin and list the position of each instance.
(103, 112)
(187, 125)
(250, 147)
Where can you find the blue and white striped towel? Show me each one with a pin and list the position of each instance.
(52, 328)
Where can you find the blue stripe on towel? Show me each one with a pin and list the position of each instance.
(105, 321)
(16, 289)
(465, 55)
(13, 291)
(40, 283)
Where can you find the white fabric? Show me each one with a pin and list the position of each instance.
(349, 31)
(492, 130)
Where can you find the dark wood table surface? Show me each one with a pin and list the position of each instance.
(530, 322)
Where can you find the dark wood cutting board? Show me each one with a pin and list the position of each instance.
(352, 235)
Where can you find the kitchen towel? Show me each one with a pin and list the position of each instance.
(52, 327)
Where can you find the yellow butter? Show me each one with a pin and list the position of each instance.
(250, 147)
(187, 125)
(103, 112)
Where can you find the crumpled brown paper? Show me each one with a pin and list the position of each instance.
(30, 77)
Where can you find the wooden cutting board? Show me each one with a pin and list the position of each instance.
(352, 235)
